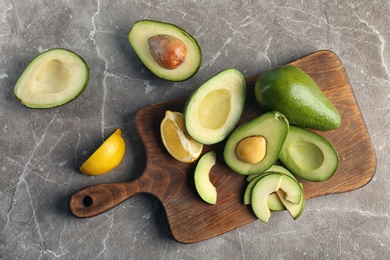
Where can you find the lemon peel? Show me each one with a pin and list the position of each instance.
(107, 157)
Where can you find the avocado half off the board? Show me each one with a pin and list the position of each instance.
(167, 50)
(53, 78)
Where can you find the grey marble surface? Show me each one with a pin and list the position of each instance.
(42, 150)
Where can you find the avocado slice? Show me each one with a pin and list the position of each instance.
(273, 127)
(53, 78)
(309, 155)
(294, 209)
(165, 49)
(291, 91)
(203, 185)
(212, 111)
(260, 193)
(274, 203)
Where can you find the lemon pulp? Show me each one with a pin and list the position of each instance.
(176, 140)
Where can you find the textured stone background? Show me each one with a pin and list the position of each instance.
(41, 150)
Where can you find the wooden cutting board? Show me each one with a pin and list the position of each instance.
(192, 220)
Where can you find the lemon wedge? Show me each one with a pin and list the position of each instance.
(107, 157)
(176, 140)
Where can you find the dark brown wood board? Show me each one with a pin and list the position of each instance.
(192, 220)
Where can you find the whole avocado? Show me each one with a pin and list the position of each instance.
(291, 91)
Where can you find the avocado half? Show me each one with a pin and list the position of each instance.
(212, 111)
(53, 78)
(143, 30)
(273, 126)
(309, 155)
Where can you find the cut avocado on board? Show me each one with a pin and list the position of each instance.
(165, 49)
(309, 155)
(53, 78)
(214, 108)
(203, 185)
(273, 127)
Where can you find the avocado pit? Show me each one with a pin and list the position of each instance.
(167, 50)
(252, 149)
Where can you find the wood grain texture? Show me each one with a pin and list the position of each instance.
(192, 220)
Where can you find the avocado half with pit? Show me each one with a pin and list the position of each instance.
(165, 49)
(213, 110)
(53, 78)
(255, 146)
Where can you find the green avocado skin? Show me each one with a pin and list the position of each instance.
(289, 90)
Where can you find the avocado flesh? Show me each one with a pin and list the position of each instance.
(308, 155)
(294, 209)
(273, 126)
(289, 90)
(259, 200)
(203, 185)
(139, 35)
(212, 111)
(53, 78)
(274, 203)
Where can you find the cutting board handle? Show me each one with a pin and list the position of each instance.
(96, 199)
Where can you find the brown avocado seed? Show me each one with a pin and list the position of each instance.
(167, 50)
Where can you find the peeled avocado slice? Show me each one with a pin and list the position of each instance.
(294, 209)
(213, 110)
(143, 30)
(53, 78)
(263, 188)
(274, 202)
(309, 155)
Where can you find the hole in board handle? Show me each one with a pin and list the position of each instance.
(87, 201)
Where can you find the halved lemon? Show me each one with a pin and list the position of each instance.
(176, 140)
(107, 157)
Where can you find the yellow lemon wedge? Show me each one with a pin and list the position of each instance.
(107, 157)
(176, 140)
